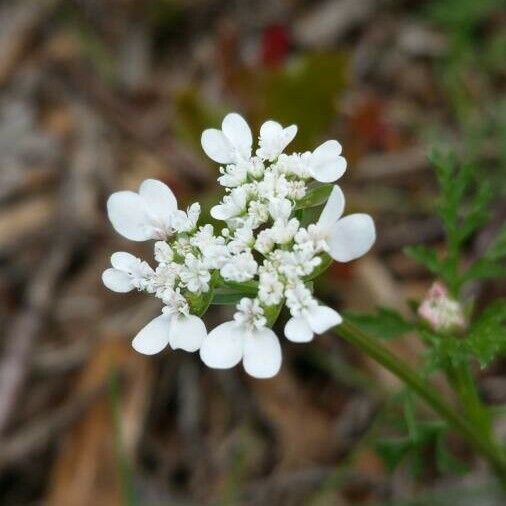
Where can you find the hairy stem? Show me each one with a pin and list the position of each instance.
(467, 428)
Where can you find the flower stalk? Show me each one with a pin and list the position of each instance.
(475, 432)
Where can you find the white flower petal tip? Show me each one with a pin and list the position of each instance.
(154, 337)
(128, 215)
(216, 146)
(316, 320)
(187, 333)
(351, 237)
(262, 354)
(123, 260)
(144, 215)
(298, 330)
(117, 281)
(223, 347)
(231, 144)
(323, 318)
(159, 198)
(326, 163)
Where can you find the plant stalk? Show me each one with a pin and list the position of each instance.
(470, 431)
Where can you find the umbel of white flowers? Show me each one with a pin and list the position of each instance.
(262, 259)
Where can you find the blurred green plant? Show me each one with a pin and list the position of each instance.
(304, 92)
(464, 209)
(468, 72)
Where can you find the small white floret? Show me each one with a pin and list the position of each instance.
(127, 272)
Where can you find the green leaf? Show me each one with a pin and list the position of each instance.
(487, 335)
(247, 288)
(446, 462)
(444, 351)
(385, 323)
(194, 114)
(315, 196)
(497, 250)
(224, 298)
(484, 269)
(392, 451)
(304, 92)
(426, 256)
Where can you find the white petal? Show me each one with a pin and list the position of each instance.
(262, 353)
(159, 199)
(216, 146)
(290, 133)
(274, 139)
(154, 337)
(123, 261)
(270, 130)
(322, 318)
(333, 209)
(187, 333)
(298, 330)
(117, 281)
(351, 237)
(223, 346)
(326, 164)
(128, 215)
(222, 212)
(238, 133)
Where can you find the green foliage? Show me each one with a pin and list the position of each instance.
(194, 115)
(461, 14)
(463, 207)
(426, 256)
(484, 341)
(384, 324)
(493, 263)
(444, 352)
(303, 93)
(412, 448)
(487, 335)
(226, 297)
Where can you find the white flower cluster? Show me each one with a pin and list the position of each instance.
(263, 247)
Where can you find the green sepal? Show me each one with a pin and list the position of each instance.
(316, 196)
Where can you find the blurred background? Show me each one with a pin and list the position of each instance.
(97, 95)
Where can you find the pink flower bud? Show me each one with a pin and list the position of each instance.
(440, 311)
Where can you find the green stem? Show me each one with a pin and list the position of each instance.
(462, 381)
(472, 433)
